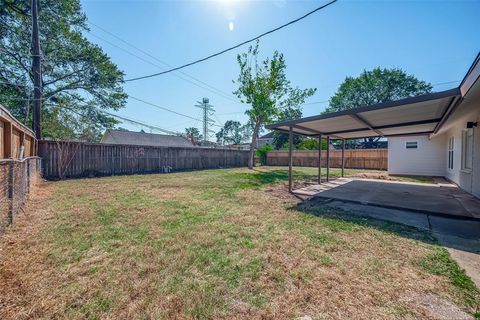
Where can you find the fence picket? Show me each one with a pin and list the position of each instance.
(104, 159)
(354, 158)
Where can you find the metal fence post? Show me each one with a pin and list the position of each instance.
(11, 187)
(28, 176)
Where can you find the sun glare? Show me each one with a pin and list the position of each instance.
(231, 26)
(226, 2)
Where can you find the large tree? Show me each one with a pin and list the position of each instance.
(281, 138)
(78, 80)
(264, 86)
(233, 132)
(376, 86)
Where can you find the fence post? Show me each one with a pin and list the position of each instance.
(11, 187)
(28, 176)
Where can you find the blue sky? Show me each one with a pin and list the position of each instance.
(433, 40)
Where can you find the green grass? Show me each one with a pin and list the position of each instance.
(439, 262)
(217, 244)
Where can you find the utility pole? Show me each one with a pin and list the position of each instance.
(207, 110)
(37, 74)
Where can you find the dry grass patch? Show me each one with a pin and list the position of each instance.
(212, 244)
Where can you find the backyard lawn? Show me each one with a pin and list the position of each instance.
(229, 243)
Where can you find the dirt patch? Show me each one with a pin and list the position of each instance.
(280, 191)
(374, 175)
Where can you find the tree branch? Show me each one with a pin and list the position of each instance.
(63, 77)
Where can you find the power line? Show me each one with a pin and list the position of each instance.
(130, 96)
(140, 123)
(122, 118)
(214, 90)
(218, 91)
(235, 46)
(162, 108)
(315, 102)
(165, 109)
(448, 82)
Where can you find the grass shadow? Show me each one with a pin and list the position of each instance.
(438, 261)
(320, 209)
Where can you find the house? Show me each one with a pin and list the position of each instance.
(144, 139)
(265, 140)
(452, 150)
(435, 134)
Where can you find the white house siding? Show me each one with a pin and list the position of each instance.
(427, 160)
(476, 160)
(467, 180)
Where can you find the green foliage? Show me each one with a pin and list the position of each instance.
(311, 144)
(300, 143)
(262, 153)
(233, 133)
(264, 86)
(79, 79)
(193, 134)
(280, 138)
(376, 86)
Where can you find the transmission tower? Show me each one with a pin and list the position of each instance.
(207, 111)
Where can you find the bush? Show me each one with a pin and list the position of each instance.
(262, 153)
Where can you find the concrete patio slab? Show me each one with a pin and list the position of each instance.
(439, 200)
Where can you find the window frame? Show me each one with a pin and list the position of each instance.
(467, 143)
(451, 152)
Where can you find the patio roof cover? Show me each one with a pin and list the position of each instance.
(410, 116)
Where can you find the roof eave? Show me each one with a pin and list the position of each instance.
(422, 98)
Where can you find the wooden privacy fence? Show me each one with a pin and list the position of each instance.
(354, 158)
(66, 159)
(16, 140)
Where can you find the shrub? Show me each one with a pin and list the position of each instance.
(262, 153)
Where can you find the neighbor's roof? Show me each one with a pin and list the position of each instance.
(415, 115)
(144, 139)
(425, 114)
(267, 136)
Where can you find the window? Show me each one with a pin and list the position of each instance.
(467, 149)
(451, 144)
(411, 145)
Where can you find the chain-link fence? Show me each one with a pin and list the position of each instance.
(17, 178)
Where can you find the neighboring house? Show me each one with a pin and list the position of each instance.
(453, 149)
(144, 139)
(435, 134)
(265, 140)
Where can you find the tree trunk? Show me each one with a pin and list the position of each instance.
(251, 157)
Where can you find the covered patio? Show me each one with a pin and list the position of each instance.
(438, 199)
(421, 115)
